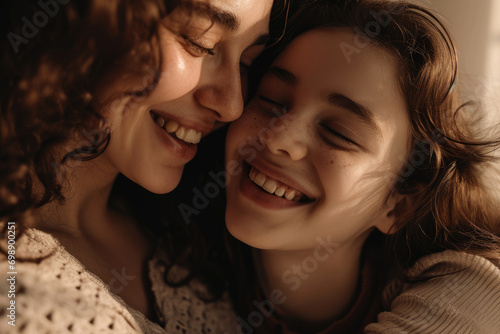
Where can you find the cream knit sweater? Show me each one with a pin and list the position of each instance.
(54, 293)
(465, 302)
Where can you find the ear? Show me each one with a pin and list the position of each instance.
(395, 206)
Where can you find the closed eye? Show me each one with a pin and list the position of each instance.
(268, 100)
(340, 136)
(197, 49)
(271, 106)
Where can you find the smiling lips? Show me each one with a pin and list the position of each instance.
(189, 136)
(274, 187)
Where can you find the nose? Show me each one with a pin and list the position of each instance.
(220, 91)
(287, 137)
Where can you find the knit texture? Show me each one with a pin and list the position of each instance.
(463, 298)
(56, 294)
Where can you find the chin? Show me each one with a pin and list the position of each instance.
(163, 188)
(234, 228)
(251, 236)
(161, 185)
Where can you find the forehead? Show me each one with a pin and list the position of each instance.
(331, 53)
(328, 61)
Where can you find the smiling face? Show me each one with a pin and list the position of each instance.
(330, 160)
(202, 56)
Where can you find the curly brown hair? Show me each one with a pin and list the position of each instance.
(53, 79)
(52, 71)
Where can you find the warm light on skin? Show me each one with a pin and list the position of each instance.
(342, 141)
(349, 182)
(195, 89)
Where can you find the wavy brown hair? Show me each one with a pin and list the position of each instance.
(450, 206)
(53, 81)
(51, 74)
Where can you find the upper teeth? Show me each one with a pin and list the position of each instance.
(182, 133)
(272, 186)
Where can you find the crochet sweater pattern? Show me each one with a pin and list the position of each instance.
(54, 293)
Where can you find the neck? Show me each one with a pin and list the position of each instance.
(84, 211)
(104, 241)
(320, 284)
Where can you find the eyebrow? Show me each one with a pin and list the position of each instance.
(365, 114)
(225, 19)
(221, 17)
(280, 73)
(334, 99)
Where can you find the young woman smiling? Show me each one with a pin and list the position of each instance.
(354, 143)
(93, 89)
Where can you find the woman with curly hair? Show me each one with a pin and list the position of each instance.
(92, 89)
(355, 175)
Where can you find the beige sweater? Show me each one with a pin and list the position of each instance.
(56, 294)
(465, 302)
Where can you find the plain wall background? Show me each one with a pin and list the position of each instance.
(475, 24)
(476, 28)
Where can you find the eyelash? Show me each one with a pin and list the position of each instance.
(197, 47)
(339, 136)
(330, 130)
(270, 101)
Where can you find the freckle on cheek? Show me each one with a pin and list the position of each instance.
(331, 162)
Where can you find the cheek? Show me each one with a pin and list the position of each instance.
(241, 142)
(244, 125)
(234, 138)
(343, 177)
(180, 74)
